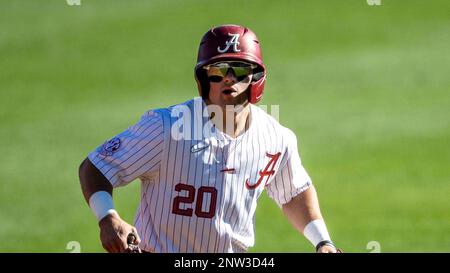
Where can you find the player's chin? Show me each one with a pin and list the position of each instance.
(226, 100)
(222, 102)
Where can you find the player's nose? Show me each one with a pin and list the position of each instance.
(230, 78)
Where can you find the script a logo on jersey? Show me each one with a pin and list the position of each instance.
(234, 41)
(267, 172)
(109, 147)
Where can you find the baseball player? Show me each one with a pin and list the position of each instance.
(204, 163)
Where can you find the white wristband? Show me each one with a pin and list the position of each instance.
(316, 232)
(101, 204)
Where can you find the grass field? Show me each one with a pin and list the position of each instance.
(365, 88)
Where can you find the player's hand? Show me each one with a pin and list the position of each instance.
(133, 245)
(328, 249)
(114, 232)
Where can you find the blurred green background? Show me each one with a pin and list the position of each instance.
(365, 88)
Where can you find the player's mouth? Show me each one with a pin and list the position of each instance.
(228, 91)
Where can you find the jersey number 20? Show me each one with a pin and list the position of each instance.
(190, 198)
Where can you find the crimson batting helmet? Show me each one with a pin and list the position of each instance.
(230, 42)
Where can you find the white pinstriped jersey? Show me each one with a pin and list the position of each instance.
(199, 194)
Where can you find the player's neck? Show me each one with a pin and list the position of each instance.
(240, 122)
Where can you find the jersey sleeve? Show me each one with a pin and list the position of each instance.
(132, 153)
(292, 178)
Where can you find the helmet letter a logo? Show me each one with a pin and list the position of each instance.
(234, 41)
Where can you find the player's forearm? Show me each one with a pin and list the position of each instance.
(304, 213)
(92, 180)
(97, 190)
(303, 209)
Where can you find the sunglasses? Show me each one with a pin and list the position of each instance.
(218, 71)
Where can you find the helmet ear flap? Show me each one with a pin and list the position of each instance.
(257, 85)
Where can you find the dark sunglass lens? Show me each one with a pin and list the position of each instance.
(241, 78)
(215, 79)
